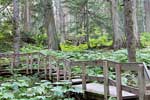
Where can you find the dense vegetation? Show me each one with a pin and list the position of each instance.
(116, 30)
(24, 88)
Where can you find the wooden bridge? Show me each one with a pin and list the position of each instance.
(56, 69)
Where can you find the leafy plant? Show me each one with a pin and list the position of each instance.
(30, 88)
(145, 42)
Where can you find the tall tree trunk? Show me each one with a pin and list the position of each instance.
(86, 23)
(50, 26)
(27, 17)
(118, 35)
(63, 28)
(131, 28)
(62, 21)
(147, 14)
(135, 20)
(16, 30)
(141, 16)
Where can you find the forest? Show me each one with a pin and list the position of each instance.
(67, 49)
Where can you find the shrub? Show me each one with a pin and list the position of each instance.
(145, 39)
(69, 47)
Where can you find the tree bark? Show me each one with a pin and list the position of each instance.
(86, 24)
(131, 28)
(50, 26)
(16, 30)
(62, 21)
(147, 14)
(27, 17)
(118, 35)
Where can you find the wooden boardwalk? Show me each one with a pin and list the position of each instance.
(44, 64)
(98, 88)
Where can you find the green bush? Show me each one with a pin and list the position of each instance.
(40, 39)
(95, 42)
(31, 48)
(69, 47)
(145, 39)
(102, 41)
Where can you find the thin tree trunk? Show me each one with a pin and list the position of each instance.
(62, 21)
(63, 29)
(131, 28)
(136, 33)
(118, 35)
(50, 26)
(27, 22)
(86, 27)
(16, 29)
(147, 14)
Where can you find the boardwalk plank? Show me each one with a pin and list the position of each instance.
(99, 89)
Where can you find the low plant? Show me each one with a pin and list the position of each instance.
(31, 88)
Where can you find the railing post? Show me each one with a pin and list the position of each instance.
(12, 63)
(68, 64)
(141, 82)
(65, 70)
(106, 80)
(31, 63)
(50, 67)
(118, 82)
(45, 66)
(27, 64)
(84, 77)
(38, 63)
(58, 71)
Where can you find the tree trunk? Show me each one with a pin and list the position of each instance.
(16, 30)
(63, 28)
(50, 26)
(86, 24)
(131, 28)
(27, 22)
(118, 35)
(147, 14)
(62, 21)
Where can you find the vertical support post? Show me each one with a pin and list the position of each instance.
(12, 63)
(84, 77)
(141, 82)
(58, 72)
(69, 71)
(118, 82)
(38, 63)
(45, 66)
(50, 68)
(27, 64)
(31, 63)
(106, 80)
(65, 70)
(14, 60)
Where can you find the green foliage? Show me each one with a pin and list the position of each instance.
(112, 98)
(102, 41)
(145, 39)
(6, 36)
(31, 48)
(67, 47)
(40, 39)
(143, 55)
(97, 40)
(29, 88)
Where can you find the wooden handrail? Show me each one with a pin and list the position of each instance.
(138, 67)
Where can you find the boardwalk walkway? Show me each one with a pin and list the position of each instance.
(39, 63)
